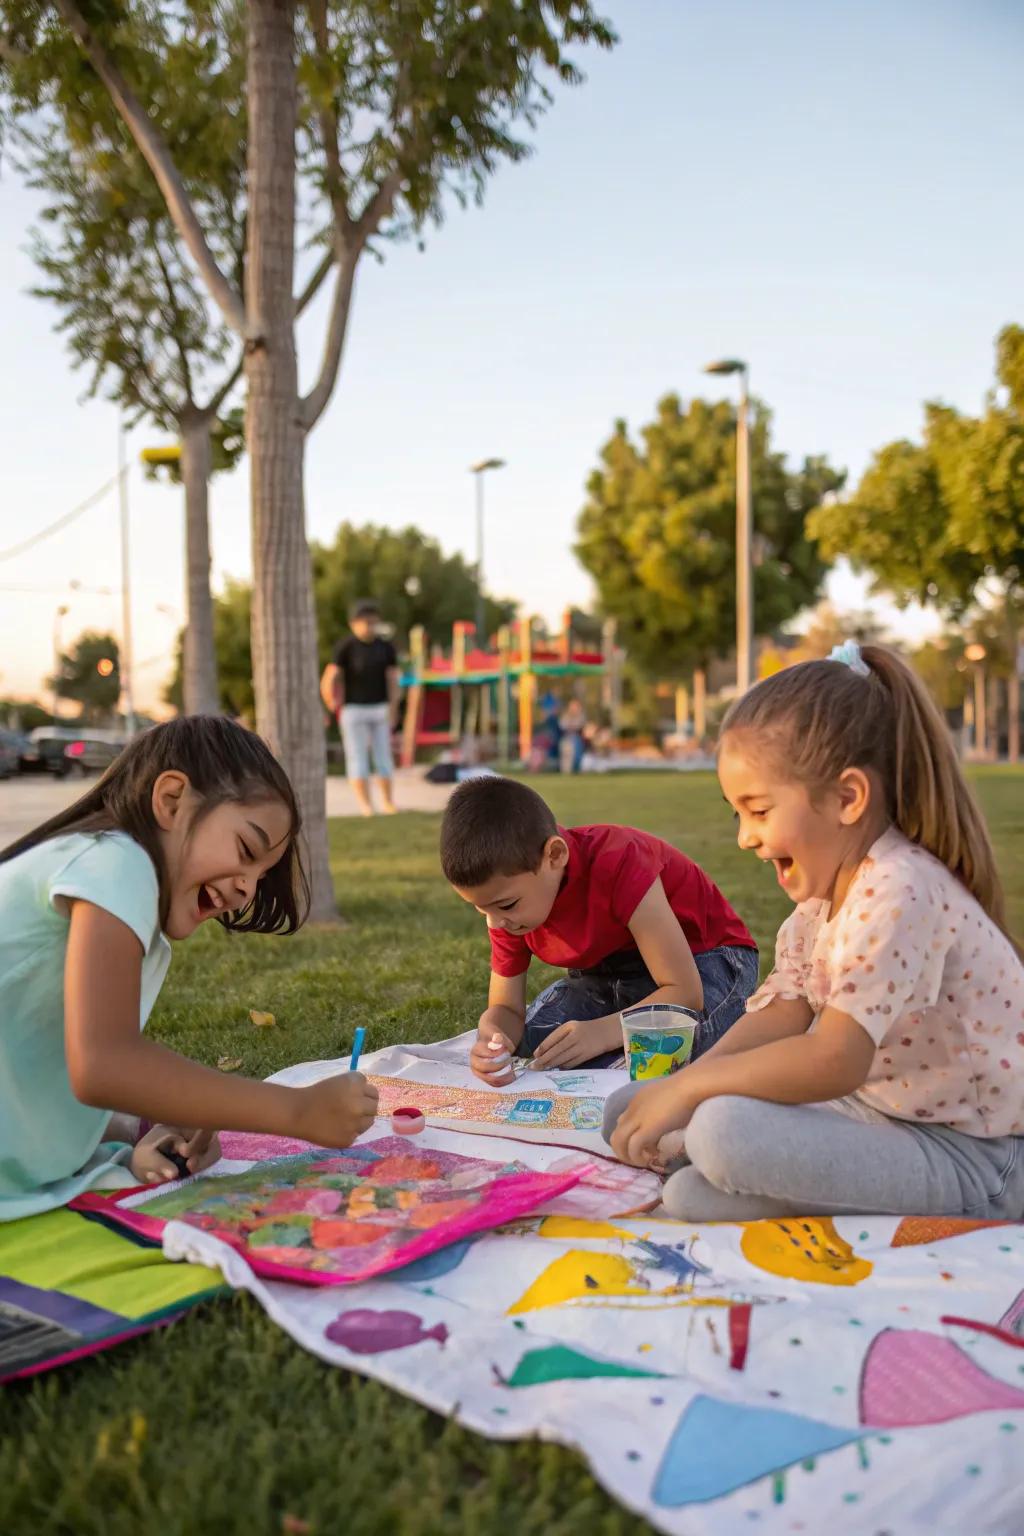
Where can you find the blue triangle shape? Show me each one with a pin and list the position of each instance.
(719, 1446)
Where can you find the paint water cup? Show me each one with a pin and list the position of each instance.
(657, 1038)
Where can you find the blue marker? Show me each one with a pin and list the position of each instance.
(357, 1048)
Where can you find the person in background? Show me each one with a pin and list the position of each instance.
(572, 745)
(360, 687)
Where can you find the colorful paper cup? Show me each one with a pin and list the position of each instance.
(657, 1039)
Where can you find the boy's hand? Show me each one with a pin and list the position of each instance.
(491, 1059)
(333, 1112)
(578, 1041)
(656, 1110)
(200, 1149)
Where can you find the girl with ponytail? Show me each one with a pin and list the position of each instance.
(880, 1067)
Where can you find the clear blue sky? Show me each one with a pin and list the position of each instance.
(831, 191)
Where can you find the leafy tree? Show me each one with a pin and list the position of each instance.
(232, 627)
(131, 306)
(386, 106)
(658, 533)
(942, 521)
(90, 675)
(408, 573)
(941, 666)
(17, 714)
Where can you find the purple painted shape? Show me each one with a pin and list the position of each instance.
(365, 1331)
(65, 1311)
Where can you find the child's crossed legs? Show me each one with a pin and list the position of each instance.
(750, 1159)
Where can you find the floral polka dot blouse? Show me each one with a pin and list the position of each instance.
(913, 958)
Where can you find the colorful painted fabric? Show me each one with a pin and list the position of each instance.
(69, 1288)
(846, 1375)
(345, 1217)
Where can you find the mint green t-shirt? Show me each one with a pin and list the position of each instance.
(51, 1145)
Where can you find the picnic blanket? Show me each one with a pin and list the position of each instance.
(69, 1288)
(854, 1375)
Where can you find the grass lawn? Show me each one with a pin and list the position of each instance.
(221, 1424)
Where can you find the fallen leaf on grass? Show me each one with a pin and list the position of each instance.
(262, 1020)
(228, 1063)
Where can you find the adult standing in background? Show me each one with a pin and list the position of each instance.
(360, 688)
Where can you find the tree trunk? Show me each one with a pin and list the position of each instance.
(283, 629)
(202, 695)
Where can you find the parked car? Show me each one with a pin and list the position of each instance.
(45, 750)
(63, 750)
(92, 752)
(10, 752)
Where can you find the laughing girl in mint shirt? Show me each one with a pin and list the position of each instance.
(195, 820)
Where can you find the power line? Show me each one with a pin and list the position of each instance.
(62, 522)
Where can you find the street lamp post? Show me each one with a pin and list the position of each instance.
(479, 470)
(975, 653)
(744, 528)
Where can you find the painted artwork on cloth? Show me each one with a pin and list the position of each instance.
(784, 1376)
(523, 1114)
(347, 1216)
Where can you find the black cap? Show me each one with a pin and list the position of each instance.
(365, 608)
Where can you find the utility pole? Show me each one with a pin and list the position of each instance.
(744, 528)
(126, 590)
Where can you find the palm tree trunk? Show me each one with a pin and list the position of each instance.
(283, 627)
(202, 695)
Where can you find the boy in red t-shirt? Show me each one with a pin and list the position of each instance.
(630, 917)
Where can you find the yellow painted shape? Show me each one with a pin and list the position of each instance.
(656, 1066)
(576, 1274)
(578, 1226)
(803, 1248)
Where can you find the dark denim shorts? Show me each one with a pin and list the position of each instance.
(728, 976)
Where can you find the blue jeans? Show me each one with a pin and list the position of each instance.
(728, 976)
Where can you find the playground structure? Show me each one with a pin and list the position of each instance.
(474, 692)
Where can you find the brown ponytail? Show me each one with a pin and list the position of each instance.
(822, 717)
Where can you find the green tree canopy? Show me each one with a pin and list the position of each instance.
(942, 521)
(658, 532)
(232, 620)
(90, 675)
(408, 573)
(384, 108)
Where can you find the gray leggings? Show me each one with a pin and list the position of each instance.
(749, 1159)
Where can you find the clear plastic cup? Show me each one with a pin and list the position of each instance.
(657, 1038)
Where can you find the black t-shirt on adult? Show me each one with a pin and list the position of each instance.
(364, 665)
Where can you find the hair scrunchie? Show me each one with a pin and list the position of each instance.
(849, 654)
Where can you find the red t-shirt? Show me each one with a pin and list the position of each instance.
(610, 871)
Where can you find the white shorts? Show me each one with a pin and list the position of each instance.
(366, 732)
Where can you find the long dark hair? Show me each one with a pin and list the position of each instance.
(820, 717)
(224, 764)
